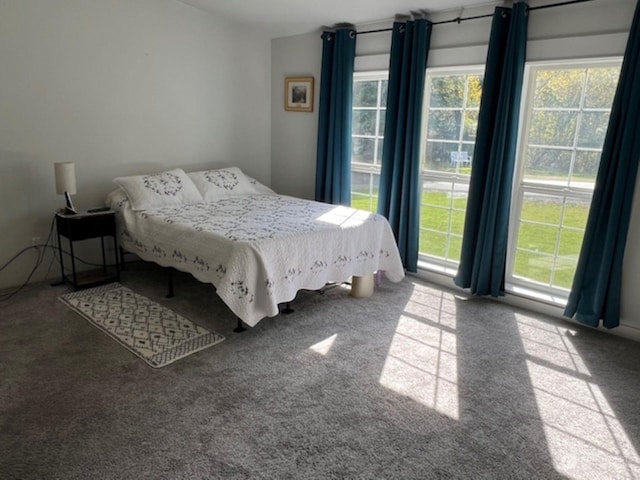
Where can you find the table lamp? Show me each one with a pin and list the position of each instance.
(66, 182)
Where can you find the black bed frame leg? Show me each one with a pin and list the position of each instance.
(240, 327)
(287, 308)
(170, 285)
(123, 265)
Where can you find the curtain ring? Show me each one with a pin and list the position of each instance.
(352, 34)
(402, 29)
(504, 14)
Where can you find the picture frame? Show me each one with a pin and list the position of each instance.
(298, 94)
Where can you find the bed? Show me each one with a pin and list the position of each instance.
(256, 247)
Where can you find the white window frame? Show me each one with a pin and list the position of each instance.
(528, 288)
(430, 262)
(363, 167)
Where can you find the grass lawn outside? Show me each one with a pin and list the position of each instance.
(442, 222)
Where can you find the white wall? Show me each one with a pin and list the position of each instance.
(119, 87)
(593, 29)
(294, 134)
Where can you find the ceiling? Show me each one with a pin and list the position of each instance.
(282, 18)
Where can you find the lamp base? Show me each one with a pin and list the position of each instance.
(69, 209)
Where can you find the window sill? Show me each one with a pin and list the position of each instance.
(531, 299)
(532, 294)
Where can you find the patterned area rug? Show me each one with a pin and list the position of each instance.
(154, 333)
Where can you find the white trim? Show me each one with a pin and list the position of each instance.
(453, 178)
(372, 75)
(563, 64)
(519, 187)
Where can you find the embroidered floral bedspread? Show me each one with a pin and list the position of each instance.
(259, 250)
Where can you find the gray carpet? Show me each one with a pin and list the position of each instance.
(412, 383)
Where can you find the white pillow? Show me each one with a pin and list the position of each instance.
(170, 188)
(260, 187)
(117, 200)
(222, 183)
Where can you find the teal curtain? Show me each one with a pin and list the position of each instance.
(399, 193)
(595, 294)
(333, 164)
(484, 243)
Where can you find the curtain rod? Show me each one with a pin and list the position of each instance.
(459, 20)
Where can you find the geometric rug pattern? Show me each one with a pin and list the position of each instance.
(154, 333)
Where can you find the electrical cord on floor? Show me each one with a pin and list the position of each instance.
(41, 254)
(42, 248)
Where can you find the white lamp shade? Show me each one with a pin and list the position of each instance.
(65, 177)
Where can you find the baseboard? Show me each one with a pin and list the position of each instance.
(623, 330)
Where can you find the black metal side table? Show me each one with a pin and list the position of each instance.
(83, 226)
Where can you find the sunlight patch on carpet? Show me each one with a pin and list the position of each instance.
(325, 345)
(422, 362)
(584, 436)
(154, 333)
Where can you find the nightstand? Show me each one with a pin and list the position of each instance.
(83, 226)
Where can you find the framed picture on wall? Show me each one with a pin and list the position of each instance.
(298, 94)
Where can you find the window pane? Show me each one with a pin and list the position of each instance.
(438, 156)
(585, 168)
(567, 126)
(365, 94)
(558, 88)
(436, 218)
(455, 247)
(593, 128)
(360, 183)
(362, 149)
(576, 212)
(364, 122)
(537, 238)
(383, 93)
(541, 208)
(379, 152)
(553, 128)
(450, 129)
(457, 217)
(570, 242)
(601, 87)
(443, 211)
(547, 164)
(364, 190)
(470, 125)
(383, 116)
(366, 140)
(444, 124)
(433, 243)
(533, 266)
(474, 91)
(565, 270)
(447, 91)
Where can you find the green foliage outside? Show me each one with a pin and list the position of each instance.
(536, 241)
(570, 108)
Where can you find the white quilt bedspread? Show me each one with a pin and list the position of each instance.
(259, 250)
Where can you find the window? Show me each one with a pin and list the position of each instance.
(565, 118)
(452, 102)
(367, 134)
